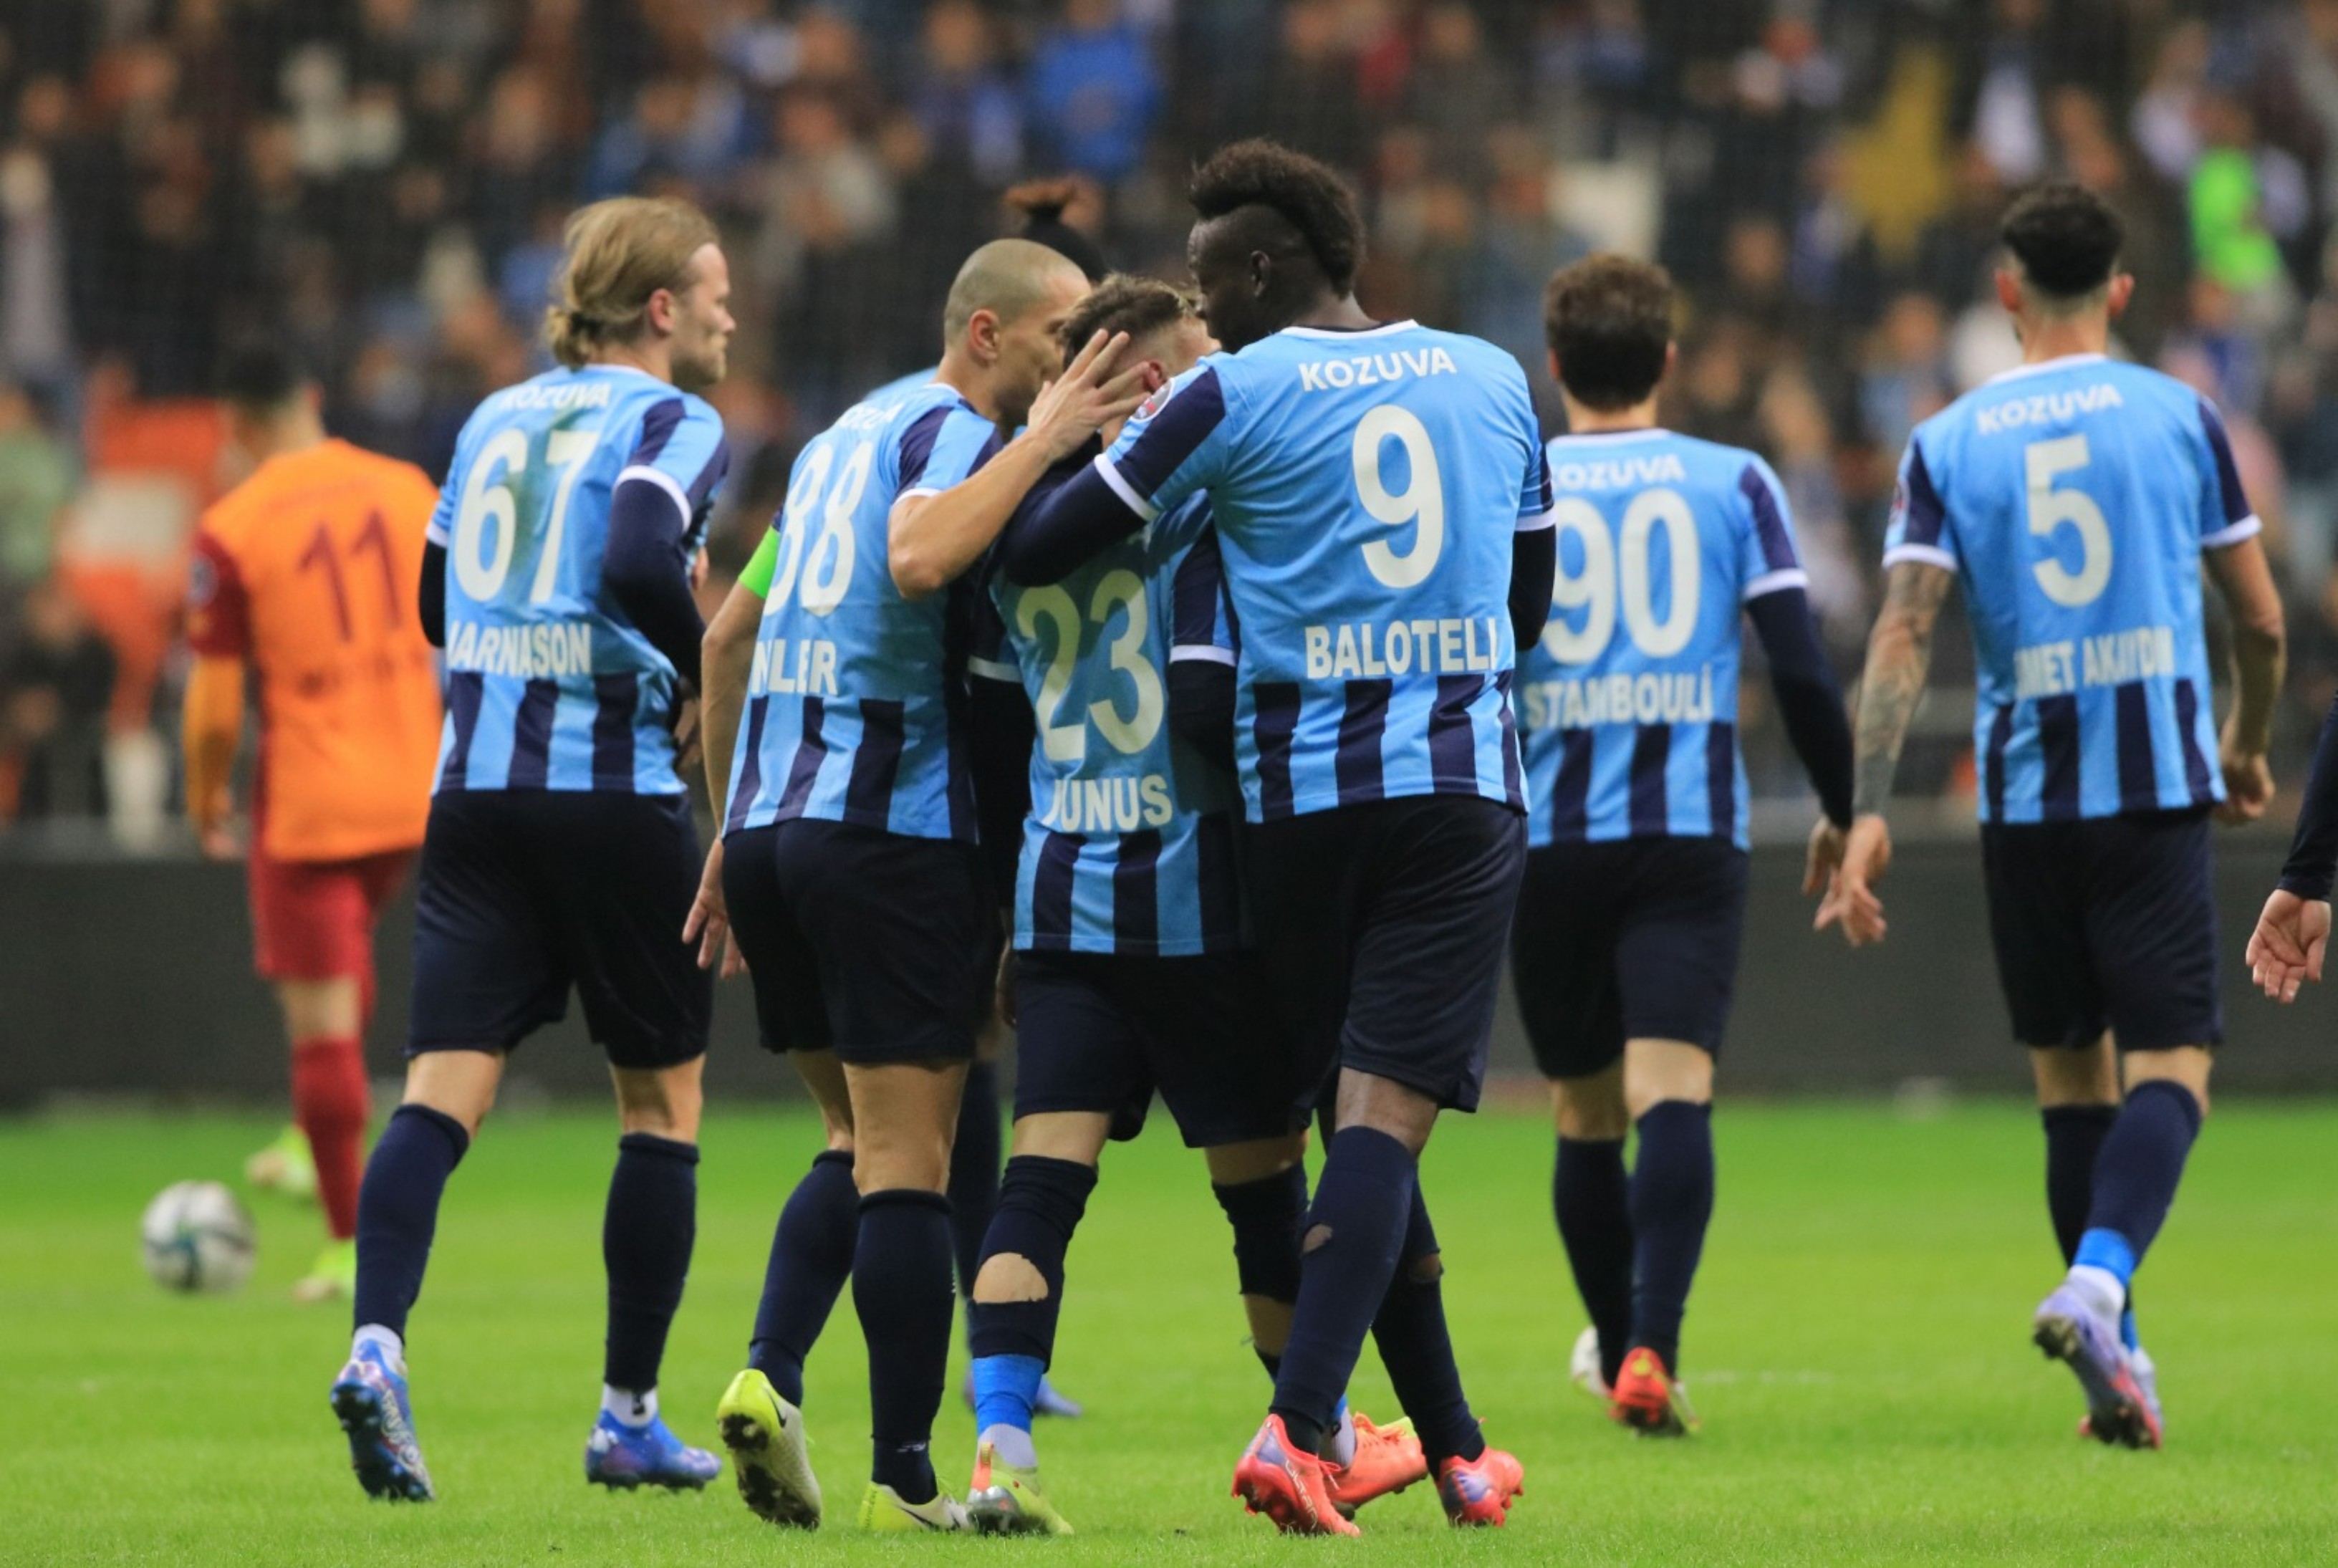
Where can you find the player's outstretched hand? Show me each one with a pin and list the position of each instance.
(2286, 948)
(1851, 901)
(1089, 395)
(709, 924)
(2248, 783)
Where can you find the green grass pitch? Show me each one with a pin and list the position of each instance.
(1857, 1345)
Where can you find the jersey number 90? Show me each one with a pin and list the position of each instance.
(1617, 573)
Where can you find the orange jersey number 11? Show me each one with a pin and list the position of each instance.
(321, 556)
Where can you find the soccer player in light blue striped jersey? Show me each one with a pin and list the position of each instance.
(560, 851)
(1625, 950)
(1133, 969)
(2074, 501)
(849, 871)
(1381, 502)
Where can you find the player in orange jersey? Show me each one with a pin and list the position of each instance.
(303, 587)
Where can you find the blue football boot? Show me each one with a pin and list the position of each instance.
(626, 1456)
(2072, 1329)
(371, 1401)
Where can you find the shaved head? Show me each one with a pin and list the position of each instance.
(1010, 278)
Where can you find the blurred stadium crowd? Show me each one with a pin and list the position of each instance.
(382, 181)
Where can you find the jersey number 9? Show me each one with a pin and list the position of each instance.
(1420, 503)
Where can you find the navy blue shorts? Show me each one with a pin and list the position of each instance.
(1382, 927)
(524, 893)
(1633, 939)
(1098, 1031)
(867, 943)
(2108, 923)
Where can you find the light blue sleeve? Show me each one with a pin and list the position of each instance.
(1767, 559)
(681, 450)
(942, 447)
(1175, 446)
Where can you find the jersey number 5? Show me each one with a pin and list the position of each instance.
(1599, 588)
(487, 499)
(2049, 508)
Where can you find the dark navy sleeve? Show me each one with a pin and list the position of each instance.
(431, 601)
(1809, 702)
(646, 570)
(1205, 650)
(1002, 732)
(1534, 568)
(2313, 852)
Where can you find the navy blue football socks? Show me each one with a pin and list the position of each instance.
(974, 1172)
(2135, 1176)
(901, 1288)
(812, 1258)
(2073, 1138)
(646, 1235)
(1590, 1192)
(398, 1211)
(1355, 1232)
(1040, 1202)
(1671, 1204)
(1416, 1350)
(1266, 1216)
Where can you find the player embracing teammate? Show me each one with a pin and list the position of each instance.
(1380, 503)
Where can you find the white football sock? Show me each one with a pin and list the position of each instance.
(392, 1347)
(1343, 1438)
(1013, 1445)
(2100, 1287)
(635, 1409)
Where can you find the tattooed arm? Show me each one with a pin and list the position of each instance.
(1898, 661)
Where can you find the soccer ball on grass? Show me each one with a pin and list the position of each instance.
(197, 1237)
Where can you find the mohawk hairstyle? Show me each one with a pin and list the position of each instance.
(1304, 192)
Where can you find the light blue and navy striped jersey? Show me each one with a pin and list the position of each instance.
(855, 704)
(2072, 498)
(1628, 704)
(1366, 486)
(1129, 845)
(549, 685)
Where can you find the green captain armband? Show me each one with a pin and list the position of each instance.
(756, 578)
